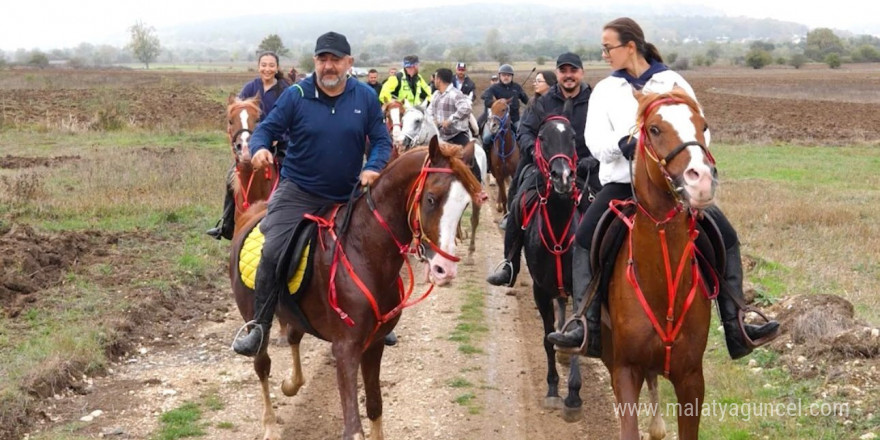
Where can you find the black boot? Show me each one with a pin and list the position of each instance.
(265, 297)
(741, 338)
(506, 272)
(226, 225)
(574, 337)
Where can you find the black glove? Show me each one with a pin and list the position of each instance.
(627, 145)
(585, 164)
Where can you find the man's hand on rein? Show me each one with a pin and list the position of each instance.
(262, 159)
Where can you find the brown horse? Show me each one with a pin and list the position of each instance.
(356, 295)
(249, 185)
(504, 156)
(393, 112)
(657, 320)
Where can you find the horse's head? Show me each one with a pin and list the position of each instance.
(499, 116)
(414, 123)
(241, 120)
(393, 119)
(674, 145)
(556, 155)
(445, 187)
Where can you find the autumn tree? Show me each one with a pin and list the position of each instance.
(821, 42)
(144, 43)
(273, 43)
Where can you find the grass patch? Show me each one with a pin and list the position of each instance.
(180, 423)
(471, 320)
(468, 400)
(460, 382)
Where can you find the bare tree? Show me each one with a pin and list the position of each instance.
(144, 43)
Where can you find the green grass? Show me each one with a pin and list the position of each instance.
(180, 423)
(471, 323)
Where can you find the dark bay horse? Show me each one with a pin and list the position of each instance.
(657, 319)
(504, 155)
(356, 295)
(549, 217)
(249, 186)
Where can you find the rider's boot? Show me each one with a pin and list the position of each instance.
(741, 338)
(265, 298)
(226, 225)
(506, 272)
(581, 275)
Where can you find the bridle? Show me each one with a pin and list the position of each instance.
(501, 132)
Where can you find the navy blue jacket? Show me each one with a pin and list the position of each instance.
(325, 153)
(267, 98)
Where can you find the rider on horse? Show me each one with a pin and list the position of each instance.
(638, 65)
(569, 73)
(326, 109)
(504, 89)
(407, 86)
(268, 86)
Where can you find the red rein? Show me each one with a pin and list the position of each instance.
(415, 247)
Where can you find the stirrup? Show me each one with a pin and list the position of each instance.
(740, 318)
(508, 263)
(242, 328)
(582, 350)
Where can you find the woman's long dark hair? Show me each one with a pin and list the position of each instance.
(628, 30)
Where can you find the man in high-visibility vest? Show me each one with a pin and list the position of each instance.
(406, 86)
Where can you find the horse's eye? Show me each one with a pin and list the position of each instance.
(654, 130)
(431, 199)
(706, 128)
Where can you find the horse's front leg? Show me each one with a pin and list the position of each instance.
(689, 389)
(263, 365)
(348, 358)
(657, 428)
(370, 366)
(627, 383)
(545, 307)
(475, 221)
(573, 410)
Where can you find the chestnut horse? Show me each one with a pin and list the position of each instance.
(504, 156)
(419, 197)
(549, 219)
(657, 322)
(249, 186)
(393, 112)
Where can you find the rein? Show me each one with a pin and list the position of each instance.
(416, 246)
(503, 128)
(557, 246)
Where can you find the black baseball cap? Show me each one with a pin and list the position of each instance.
(570, 58)
(334, 43)
(410, 60)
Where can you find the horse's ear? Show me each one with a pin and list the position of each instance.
(567, 109)
(434, 148)
(508, 100)
(407, 105)
(231, 99)
(637, 93)
(257, 100)
(467, 154)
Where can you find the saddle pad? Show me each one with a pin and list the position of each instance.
(249, 261)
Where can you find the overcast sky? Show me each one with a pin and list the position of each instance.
(49, 24)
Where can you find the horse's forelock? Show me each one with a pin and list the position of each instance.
(243, 103)
(647, 99)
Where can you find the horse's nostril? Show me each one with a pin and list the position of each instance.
(439, 270)
(692, 174)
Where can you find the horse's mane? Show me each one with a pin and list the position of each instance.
(454, 154)
(646, 99)
(390, 104)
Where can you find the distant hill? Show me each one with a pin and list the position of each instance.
(452, 25)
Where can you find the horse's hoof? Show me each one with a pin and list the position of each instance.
(553, 403)
(572, 415)
(289, 388)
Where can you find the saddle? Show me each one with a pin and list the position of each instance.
(298, 255)
(611, 232)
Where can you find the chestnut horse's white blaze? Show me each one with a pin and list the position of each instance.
(698, 179)
(243, 115)
(395, 125)
(442, 271)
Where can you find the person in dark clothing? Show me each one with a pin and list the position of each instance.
(373, 81)
(637, 65)
(463, 82)
(504, 89)
(570, 86)
(268, 86)
(329, 117)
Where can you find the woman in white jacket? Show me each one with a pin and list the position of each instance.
(611, 118)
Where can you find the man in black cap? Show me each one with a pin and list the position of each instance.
(327, 108)
(463, 82)
(407, 86)
(569, 86)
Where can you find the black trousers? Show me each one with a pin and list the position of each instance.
(286, 209)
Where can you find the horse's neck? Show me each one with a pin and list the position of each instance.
(390, 193)
(655, 199)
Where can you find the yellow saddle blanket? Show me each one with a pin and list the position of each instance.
(249, 260)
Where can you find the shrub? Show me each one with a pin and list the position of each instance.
(832, 60)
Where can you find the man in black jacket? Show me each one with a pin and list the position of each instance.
(463, 82)
(570, 86)
(504, 89)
